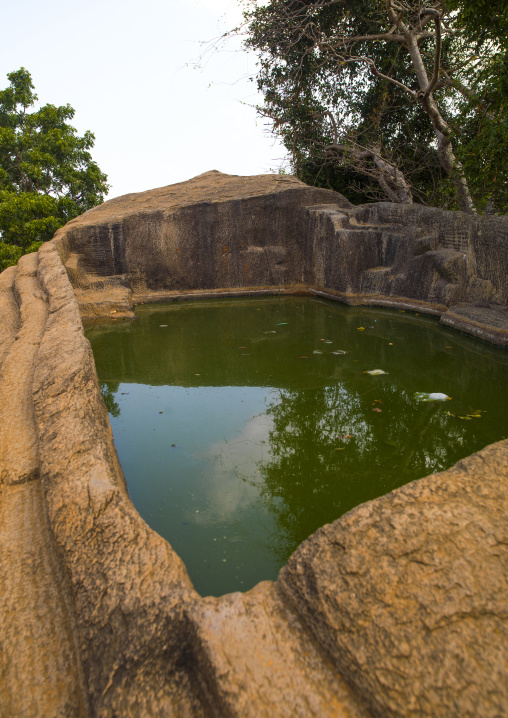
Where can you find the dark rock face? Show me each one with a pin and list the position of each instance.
(222, 234)
(399, 608)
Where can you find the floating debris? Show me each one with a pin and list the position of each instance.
(303, 357)
(339, 352)
(476, 414)
(163, 325)
(279, 324)
(433, 396)
(375, 372)
(316, 351)
(270, 332)
(377, 409)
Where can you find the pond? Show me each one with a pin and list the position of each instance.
(243, 425)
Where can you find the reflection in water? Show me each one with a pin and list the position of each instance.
(242, 426)
(330, 452)
(108, 391)
(237, 458)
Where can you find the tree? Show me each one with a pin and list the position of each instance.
(388, 90)
(47, 175)
(484, 107)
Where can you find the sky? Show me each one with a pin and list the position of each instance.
(131, 72)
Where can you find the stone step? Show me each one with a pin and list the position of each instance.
(488, 323)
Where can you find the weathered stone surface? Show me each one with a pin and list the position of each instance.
(398, 608)
(408, 592)
(219, 234)
(40, 664)
(214, 232)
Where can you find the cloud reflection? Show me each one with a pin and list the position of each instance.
(233, 481)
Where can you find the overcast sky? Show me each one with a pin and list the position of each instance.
(128, 69)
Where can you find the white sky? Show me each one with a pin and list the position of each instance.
(127, 68)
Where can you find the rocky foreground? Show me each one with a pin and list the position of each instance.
(399, 608)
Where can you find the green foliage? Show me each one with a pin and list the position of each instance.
(307, 72)
(47, 175)
(483, 112)
(109, 390)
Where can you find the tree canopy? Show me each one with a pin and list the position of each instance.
(389, 99)
(47, 175)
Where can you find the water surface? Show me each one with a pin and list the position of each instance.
(244, 425)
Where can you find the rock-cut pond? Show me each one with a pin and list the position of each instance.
(243, 425)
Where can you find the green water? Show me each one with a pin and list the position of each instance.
(242, 428)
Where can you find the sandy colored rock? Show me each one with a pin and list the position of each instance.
(399, 608)
(408, 592)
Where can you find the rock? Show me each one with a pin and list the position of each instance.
(398, 608)
(407, 593)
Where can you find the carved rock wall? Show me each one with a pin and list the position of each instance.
(218, 234)
(399, 608)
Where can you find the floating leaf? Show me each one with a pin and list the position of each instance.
(477, 414)
(279, 324)
(377, 409)
(390, 442)
(361, 329)
(375, 372)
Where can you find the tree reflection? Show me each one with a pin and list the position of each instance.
(108, 391)
(330, 450)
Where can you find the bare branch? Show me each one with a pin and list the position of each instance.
(372, 65)
(392, 181)
(436, 16)
(367, 38)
